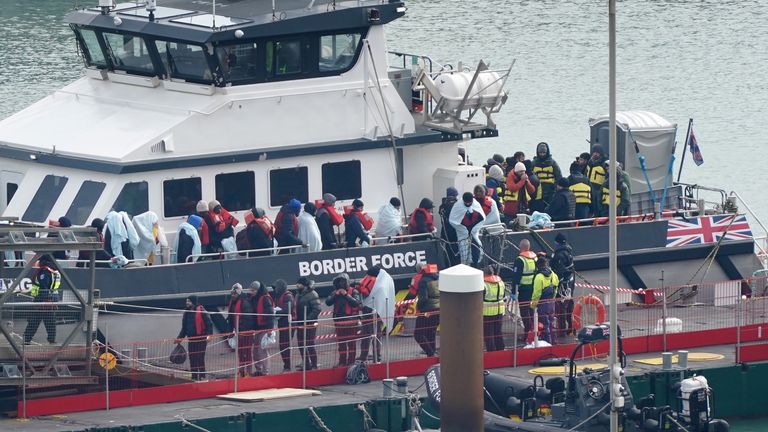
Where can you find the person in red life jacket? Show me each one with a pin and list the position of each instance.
(421, 221)
(493, 309)
(241, 321)
(260, 232)
(327, 218)
(307, 311)
(356, 223)
(519, 189)
(490, 209)
(372, 327)
(205, 238)
(220, 225)
(287, 225)
(428, 309)
(285, 310)
(264, 321)
(196, 327)
(346, 312)
(467, 218)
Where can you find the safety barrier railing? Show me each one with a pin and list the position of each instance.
(119, 360)
(240, 253)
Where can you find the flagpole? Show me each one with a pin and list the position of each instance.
(685, 148)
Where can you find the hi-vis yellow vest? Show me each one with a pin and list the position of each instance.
(607, 193)
(582, 192)
(596, 174)
(55, 284)
(493, 296)
(529, 268)
(546, 174)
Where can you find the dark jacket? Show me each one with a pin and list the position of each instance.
(286, 227)
(186, 243)
(307, 298)
(325, 226)
(562, 206)
(258, 239)
(562, 261)
(127, 250)
(285, 300)
(247, 322)
(429, 293)
(344, 305)
(353, 230)
(188, 326)
(447, 232)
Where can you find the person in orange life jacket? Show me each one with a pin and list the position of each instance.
(354, 227)
(201, 209)
(242, 321)
(491, 211)
(287, 225)
(346, 310)
(327, 217)
(548, 172)
(307, 311)
(264, 321)
(44, 289)
(467, 219)
(220, 225)
(544, 286)
(260, 232)
(421, 221)
(496, 182)
(372, 327)
(428, 309)
(562, 205)
(522, 280)
(493, 309)
(518, 188)
(561, 263)
(285, 310)
(448, 232)
(196, 327)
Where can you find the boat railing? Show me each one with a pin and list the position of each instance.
(761, 241)
(693, 193)
(397, 238)
(67, 262)
(235, 254)
(415, 58)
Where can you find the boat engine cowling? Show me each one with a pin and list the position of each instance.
(509, 396)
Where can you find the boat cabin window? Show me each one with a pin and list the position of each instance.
(45, 198)
(337, 52)
(129, 53)
(10, 191)
(184, 61)
(85, 200)
(239, 63)
(181, 196)
(287, 183)
(90, 43)
(236, 191)
(283, 57)
(343, 179)
(133, 199)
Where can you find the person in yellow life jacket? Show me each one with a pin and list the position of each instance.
(596, 176)
(44, 289)
(548, 172)
(623, 196)
(522, 280)
(579, 185)
(493, 309)
(543, 299)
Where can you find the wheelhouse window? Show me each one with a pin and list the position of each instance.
(236, 191)
(337, 52)
(287, 183)
(184, 61)
(45, 198)
(133, 198)
(129, 53)
(10, 191)
(94, 56)
(85, 200)
(239, 63)
(181, 196)
(283, 57)
(342, 179)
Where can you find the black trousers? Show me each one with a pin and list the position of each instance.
(284, 341)
(426, 331)
(494, 340)
(371, 329)
(305, 337)
(47, 314)
(196, 349)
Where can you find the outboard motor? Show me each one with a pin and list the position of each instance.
(509, 396)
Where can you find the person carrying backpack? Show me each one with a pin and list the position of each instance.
(562, 265)
(544, 286)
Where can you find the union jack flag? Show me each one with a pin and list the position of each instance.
(707, 229)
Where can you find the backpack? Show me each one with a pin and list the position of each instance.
(241, 240)
(358, 373)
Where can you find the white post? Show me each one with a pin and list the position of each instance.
(616, 399)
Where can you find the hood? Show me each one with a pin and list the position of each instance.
(495, 172)
(280, 286)
(310, 208)
(426, 203)
(543, 146)
(599, 149)
(546, 271)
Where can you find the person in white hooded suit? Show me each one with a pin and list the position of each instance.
(390, 219)
(467, 218)
(309, 233)
(150, 235)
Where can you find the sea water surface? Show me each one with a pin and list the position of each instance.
(706, 60)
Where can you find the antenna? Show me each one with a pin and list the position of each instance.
(214, 14)
(106, 6)
(151, 8)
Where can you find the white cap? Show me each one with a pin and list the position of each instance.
(519, 167)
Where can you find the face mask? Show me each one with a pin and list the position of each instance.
(217, 210)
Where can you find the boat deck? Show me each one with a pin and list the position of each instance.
(331, 395)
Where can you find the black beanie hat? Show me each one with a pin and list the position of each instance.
(193, 299)
(560, 238)
(395, 201)
(467, 197)
(374, 271)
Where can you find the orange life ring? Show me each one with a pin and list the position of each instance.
(588, 300)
